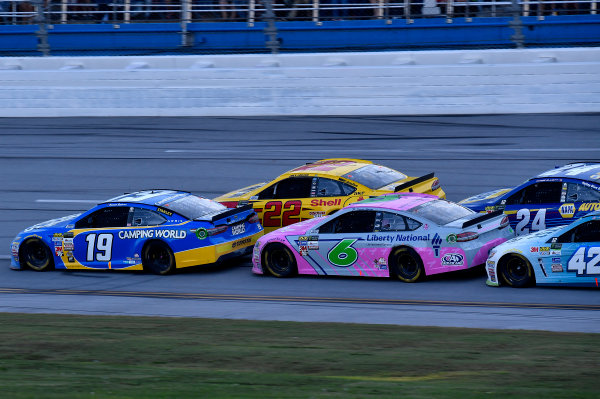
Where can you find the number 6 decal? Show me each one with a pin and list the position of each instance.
(343, 254)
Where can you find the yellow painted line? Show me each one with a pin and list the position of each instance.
(270, 298)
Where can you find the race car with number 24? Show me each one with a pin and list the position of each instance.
(553, 198)
(155, 230)
(404, 235)
(563, 255)
(322, 188)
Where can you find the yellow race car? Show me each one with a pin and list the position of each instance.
(322, 188)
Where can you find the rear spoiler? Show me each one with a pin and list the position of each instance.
(482, 218)
(414, 182)
(231, 212)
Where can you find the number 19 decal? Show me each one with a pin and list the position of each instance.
(343, 254)
(578, 263)
(100, 249)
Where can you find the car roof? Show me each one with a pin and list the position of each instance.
(332, 166)
(149, 197)
(589, 171)
(397, 201)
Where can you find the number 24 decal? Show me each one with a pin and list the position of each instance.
(289, 216)
(578, 263)
(524, 215)
(100, 249)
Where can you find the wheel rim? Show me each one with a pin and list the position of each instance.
(408, 267)
(36, 255)
(279, 261)
(159, 258)
(517, 270)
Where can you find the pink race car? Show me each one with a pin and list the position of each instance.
(404, 235)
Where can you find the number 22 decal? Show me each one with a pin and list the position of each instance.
(578, 264)
(101, 249)
(289, 216)
(524, 215)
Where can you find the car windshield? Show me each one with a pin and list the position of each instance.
(374, 176)
(193, 207)
(441, 212)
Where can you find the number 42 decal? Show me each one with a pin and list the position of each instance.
(343, 254)
(578, 263)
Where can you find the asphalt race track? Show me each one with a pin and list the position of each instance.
(55, 166)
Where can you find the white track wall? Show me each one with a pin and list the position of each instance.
(386, 83)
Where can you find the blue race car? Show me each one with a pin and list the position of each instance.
(563, 255)
(553, 198)
(154, 230)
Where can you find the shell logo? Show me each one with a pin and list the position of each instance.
(567, 210)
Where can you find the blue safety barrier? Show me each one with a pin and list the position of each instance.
(300, 36)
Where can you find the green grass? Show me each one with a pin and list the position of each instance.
(59, 356)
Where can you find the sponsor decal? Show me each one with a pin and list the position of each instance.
(68, 244)
(425, 226)
(451, 238)
(452, 259)
(380, 264)
(201, 233)
(593, 186)
(567, 210)
(240, 243)
(557, 268)
(316, 214)
(555, 252)
(313, 244)
(70, 257)
(555, 260)
(165, 211)
(303, 250)
(544, 251)
(534, 249)
(590, 206)
(173, 234)
(556, 245)
(58, 250)
(436, 243)
(491, 263)
(14, 249)
(321, 202)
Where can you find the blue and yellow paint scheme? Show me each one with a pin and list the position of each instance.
(113, 234)
(553, 198)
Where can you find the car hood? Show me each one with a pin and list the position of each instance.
(479, 202)
(58, 222)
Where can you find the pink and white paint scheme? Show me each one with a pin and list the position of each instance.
(358, 240)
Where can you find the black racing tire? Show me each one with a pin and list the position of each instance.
(279, 261)
(158, 258)
(35, 255)
(516, 271)
(406, 265)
